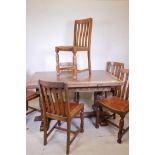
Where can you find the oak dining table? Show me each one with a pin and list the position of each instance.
(98, 81)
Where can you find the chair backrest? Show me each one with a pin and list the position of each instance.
(123, 91)
(54, 98)
(114, 67)
(82, 32)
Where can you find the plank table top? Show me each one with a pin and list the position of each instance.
(98, 78)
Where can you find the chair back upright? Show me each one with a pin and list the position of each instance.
(54, 98)
(123, 91)
(82, 32)
(114, 67)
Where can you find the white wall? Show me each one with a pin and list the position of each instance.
(50, 23)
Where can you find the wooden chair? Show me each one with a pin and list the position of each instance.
(81, 43)
(113, 68)
(30, 95)
(117, 104)
(55, 104)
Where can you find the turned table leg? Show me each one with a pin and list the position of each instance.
(74, 66)
(76, 97)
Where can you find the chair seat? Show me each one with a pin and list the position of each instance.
(116, 104)
(74, 108)
(31, 95)
(71, 48)
(64, 48)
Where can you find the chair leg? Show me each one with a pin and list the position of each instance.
(74, 66)
(26, 105)
(82, 121)
(121, 125)
(68, 136)
(89, 63)
(45, 131)
(97, 116)
(41, 112)
(57, 63)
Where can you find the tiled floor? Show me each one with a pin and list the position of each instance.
(101, 141)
